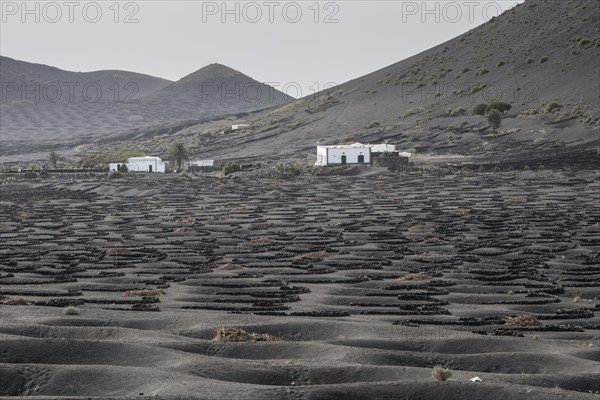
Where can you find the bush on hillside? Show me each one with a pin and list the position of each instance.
(500, 106)
(480, 109)
(230, 167)
(456, 112)
(552, 107)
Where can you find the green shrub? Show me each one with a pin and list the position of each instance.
(414, 111)
(456, 112)
(597, 43)
(583, 42)
(101, 160)
(577, 111)
(529, 61)
(286, 170)
(230, 167)
(30, 175)
(481, 71)
(373, 124)
(480, 109)
(500, 106)
(544, 59)
(477, 88)
(114, 175)
(122, 168)
(500, 64)
(552, 107)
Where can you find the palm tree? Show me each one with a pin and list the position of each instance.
(178, 155)
(53, 157)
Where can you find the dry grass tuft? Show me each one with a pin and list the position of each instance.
(522, 320)
(434, 240)
(14, 301)
(440, 373)
(117, 251)
(144, 293)
(186, 221)
(418, 276)
(224, 335)
(229, 267)
(70, 310)
(315, 255)
(261, 241)
(462, 211)
(419, 227)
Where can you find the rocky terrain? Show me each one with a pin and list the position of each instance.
(479, 259)
(344, 286)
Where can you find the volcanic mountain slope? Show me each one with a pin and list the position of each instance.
(535, 54)
(214, 87)
(45, 107)
(20, 72)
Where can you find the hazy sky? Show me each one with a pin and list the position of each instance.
(306, 42)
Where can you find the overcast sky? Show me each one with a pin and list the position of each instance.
(306, 42)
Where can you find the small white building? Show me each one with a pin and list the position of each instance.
(141, 164)
(356, 153)
(202, 163)
(382, 148)
(239, 126)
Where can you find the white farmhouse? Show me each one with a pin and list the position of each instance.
(141, 164)
(356, 153)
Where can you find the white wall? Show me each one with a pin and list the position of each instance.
(383, 148)
(351, 153)
(143, 164)
(321, 155)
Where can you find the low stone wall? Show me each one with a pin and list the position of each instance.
(390, 162)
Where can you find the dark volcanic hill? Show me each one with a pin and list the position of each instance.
(535, 54)
(210, 90)
(47, 108)
(20, 72)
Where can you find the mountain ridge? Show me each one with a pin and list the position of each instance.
(44, 107)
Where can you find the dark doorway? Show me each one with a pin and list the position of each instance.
(343, 159)
(149, 168)
(361, 159)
